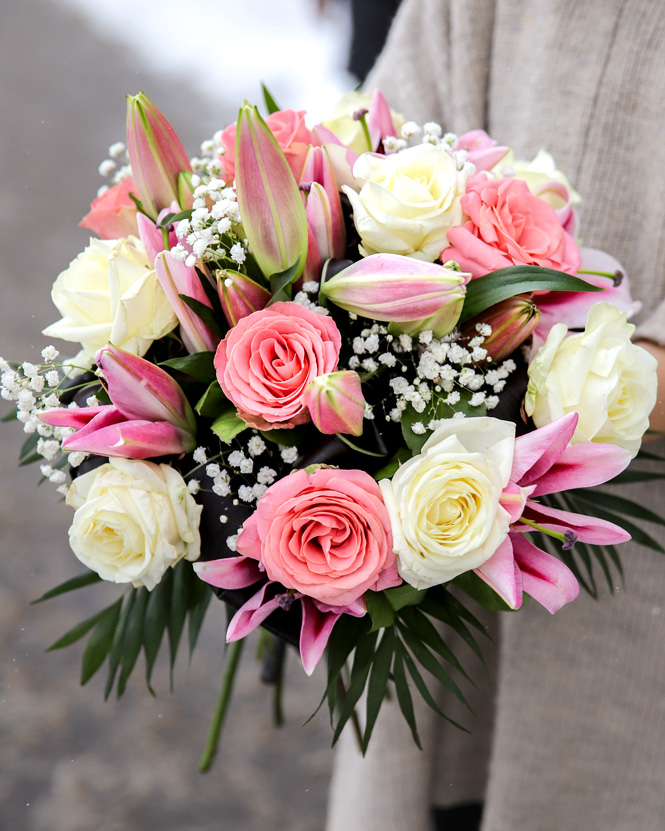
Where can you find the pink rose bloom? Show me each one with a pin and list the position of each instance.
(113, 214)
(267, 360)
(508, 226)
(326, 535)
(291, 132)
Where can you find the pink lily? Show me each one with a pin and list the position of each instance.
(239, 295)
(412, 294)
(335, 402)
(342, 158)
(325, 220)
(156, 154)
(273, 216)
(483, 151)
(152, 236)
(318, 618)
(379, 120)
(544, 462)
(149, 416)
(176, 278)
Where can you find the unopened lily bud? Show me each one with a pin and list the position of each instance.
(335, 403)
(239, 295)
(156, 155)
(271, 207)
(411, 294)
(512, 322)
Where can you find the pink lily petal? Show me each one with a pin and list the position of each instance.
(143, 391)
(252, 614)
(152, 236)
(314, 634)
(132, 440)
(546, 579)
(76, 417)
(483, 151)
(513, 499)
(229, 572)
(586, 528)
(379, 120)
(501, 573)
(239, 295)
(318, 168)
(583, 466)
(107, 416)
(537, 451)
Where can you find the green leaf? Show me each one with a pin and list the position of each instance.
(77, 632)
(271, 106)
(629, 476)
(479, 591)
(379, 610)
(280, 283)
(347, 441)
(170, 218)
(644, 454)
(403, 693)
(154, 623)
(30, 460)
(29, 446)
(419, 681)
(406, 595)
(199, 366)
(520, 279)
(616, 504)
(10, 416)
(426, 632)
(99, 643)
(362, 662)
(74, 583)
(182, 574)
(345, 635)
(227, 425)
(444, 614)
(200, 597)
(295, 437)
(211, 402)
(131, 644)
(378, 682)
(116, 646)
(398, 459)
(205, 313)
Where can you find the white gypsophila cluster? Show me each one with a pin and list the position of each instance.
(423, 366)
(34, 389)
(304, 297)
(212, 232)
(116, 167)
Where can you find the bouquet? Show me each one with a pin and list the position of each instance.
(347, 375)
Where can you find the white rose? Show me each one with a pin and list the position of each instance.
(599, 374)
(348, 129)
(444, 503)
(133, 520)
(110, 293)
(407, 201)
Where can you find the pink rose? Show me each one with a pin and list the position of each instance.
(113, 214)
(291, 132)
(267, 360)
(326, 535)
(508, 226)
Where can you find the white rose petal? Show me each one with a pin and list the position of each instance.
(443, 504)
(133, 520)
(599, 374)
(110, 293)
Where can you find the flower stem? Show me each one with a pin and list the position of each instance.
(548, 531)
(205, 763)
(615, 276)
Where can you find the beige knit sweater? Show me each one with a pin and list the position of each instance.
(578, 742)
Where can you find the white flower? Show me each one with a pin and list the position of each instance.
(133, 520)
(256, 446)
(599, 374)
(199, 455)
(443, 504)
(289, 454)
(110, 293)
(407, 201)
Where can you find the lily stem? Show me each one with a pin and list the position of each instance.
(205, 763)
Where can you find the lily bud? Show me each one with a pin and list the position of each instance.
(271, 208)
(239, 295)
(143, 391)
(335, 402)
(411, 294)
(379, 120)
(176, 278)
(325, 220)
(156, 155)
(512, 321)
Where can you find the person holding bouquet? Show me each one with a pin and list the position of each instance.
(570, 733)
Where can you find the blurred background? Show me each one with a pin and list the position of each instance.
(69, 761)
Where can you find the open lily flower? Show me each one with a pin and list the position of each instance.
(544, 462)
